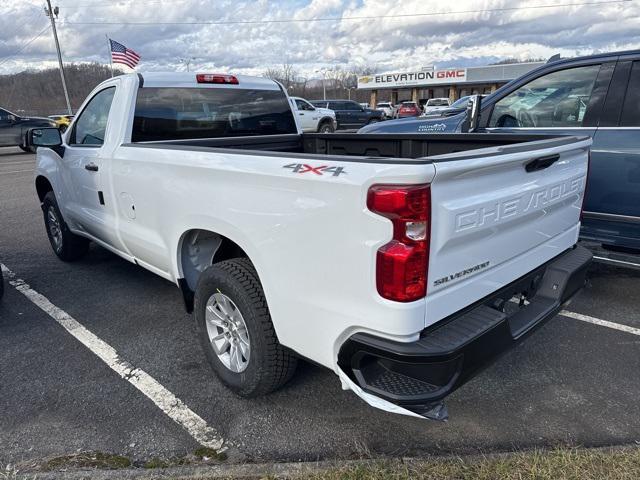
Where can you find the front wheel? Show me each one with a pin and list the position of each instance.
(326, 127)
(236, 332)
(66, 245)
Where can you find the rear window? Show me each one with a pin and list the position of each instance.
(183, 113)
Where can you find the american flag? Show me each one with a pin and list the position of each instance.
(122, 54)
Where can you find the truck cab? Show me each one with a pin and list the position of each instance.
(598, 96)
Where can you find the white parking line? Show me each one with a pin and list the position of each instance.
(2, 164)
(602, 323)
(17, 171)
(171, 405)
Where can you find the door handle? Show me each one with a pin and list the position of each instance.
(92, 167)
(541, 163)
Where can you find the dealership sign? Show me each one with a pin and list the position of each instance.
(413, 79)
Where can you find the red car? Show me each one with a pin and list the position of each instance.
(409, 109)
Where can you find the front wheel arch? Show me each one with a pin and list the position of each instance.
(43, 186)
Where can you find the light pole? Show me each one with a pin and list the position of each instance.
(324, 87)
(50, 12)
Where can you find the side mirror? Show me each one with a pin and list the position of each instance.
(472, 122)
(44, 137)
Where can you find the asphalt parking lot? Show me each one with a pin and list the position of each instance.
(573, 382)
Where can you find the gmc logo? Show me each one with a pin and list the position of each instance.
(450, 74)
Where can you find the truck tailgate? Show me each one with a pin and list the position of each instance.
(497, 214)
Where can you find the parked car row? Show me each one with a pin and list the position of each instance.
(350, 114)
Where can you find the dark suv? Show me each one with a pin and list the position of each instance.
(350, 114)
(13, 128)
(599, 96)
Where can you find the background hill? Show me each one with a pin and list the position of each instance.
(40, 92)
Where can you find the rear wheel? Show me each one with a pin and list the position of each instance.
(236, 332)
(66, 245)
(326, 127)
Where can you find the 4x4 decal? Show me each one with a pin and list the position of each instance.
(321, 170)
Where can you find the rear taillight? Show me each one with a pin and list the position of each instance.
(216, 78)
(402, 264)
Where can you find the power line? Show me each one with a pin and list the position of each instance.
(121, 4)
(39, 34)
(363, 17)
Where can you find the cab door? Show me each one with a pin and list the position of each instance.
(88, 207)
(612, 207)
(9, 129)
(307, 115)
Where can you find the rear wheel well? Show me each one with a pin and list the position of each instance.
(43, 186)
(200, 249)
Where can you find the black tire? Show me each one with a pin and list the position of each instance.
(70, 247)
(326, 127)
(269, 365)
(373, 120)
(30, 149)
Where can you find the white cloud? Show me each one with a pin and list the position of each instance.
(382, 43)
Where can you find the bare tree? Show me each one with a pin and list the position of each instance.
(286, 74)
(40, 92)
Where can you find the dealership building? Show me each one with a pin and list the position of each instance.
(427, 83)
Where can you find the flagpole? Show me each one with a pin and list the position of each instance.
(110, 57)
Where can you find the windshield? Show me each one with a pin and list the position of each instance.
(461, 102)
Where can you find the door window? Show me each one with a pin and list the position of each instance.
(352, 106)
(631, 108)
(558, 99)
(91, 125)
(302, 105)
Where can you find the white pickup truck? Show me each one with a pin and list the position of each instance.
(404, 263)
(313, 119)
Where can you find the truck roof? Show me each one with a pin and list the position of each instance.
(188, 79)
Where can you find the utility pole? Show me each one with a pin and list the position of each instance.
(51, 12)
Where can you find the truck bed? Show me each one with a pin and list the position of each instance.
(369, 146)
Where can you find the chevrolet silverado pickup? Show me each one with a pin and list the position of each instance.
(404, 263)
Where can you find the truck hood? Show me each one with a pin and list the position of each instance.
(326, 111)
(439, 124)
(37, 121)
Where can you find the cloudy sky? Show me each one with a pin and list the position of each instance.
(251, 36)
